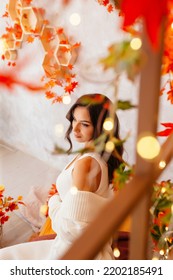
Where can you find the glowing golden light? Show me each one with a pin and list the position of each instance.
(161, 252)
(136, 43)
(109, 147)
(155, 258)
(116, 252)
(73, 190)
(59, 130)
(43, 209)
(162, 164)
(172, 25)
(108, 124)
(75, 19)
(148, 147)
(66, 99)
(163, 190)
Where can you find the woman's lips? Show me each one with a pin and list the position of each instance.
(77, 136)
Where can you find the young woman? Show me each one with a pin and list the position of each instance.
(83, 186)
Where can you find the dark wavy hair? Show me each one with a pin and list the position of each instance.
(98, 106)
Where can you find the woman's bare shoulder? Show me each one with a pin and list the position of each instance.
(87, 174)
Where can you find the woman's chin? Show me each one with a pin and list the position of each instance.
(79, 139)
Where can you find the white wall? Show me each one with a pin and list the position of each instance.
(27, 121)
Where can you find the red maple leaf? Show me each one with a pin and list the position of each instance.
(152, 13)
(110, 8)
(4, 219)
(167, 131)
(70, 87)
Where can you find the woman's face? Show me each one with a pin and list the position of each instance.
(81, 125)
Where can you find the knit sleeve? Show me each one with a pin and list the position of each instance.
(82, 206)
(76, 212)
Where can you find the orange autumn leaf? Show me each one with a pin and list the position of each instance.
(70, 66)
(49, 94)
(76, 45)
(60, 30)
(30, 39)
(50, 84)
(70, 88)
(170, 96)
(68, 78)
(5, 14)
(110, 8)
(57, 99)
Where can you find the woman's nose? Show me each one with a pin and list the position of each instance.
(76, 127)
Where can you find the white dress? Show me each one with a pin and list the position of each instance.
(70, 211)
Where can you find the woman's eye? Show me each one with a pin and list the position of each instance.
(84, 124)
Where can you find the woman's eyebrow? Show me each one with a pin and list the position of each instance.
(85, 121)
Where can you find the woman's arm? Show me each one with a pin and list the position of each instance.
(87, 174)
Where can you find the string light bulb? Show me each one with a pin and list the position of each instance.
(163, 190)
(162, 164)
(109, 147)
(66, 99)
(73, 190)
(116, 252)
(108, 124)
(161, 252)
(75, 19)
(148, 147)
(136, 43)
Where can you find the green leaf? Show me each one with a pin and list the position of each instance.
(122, 58)
(125, 105)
